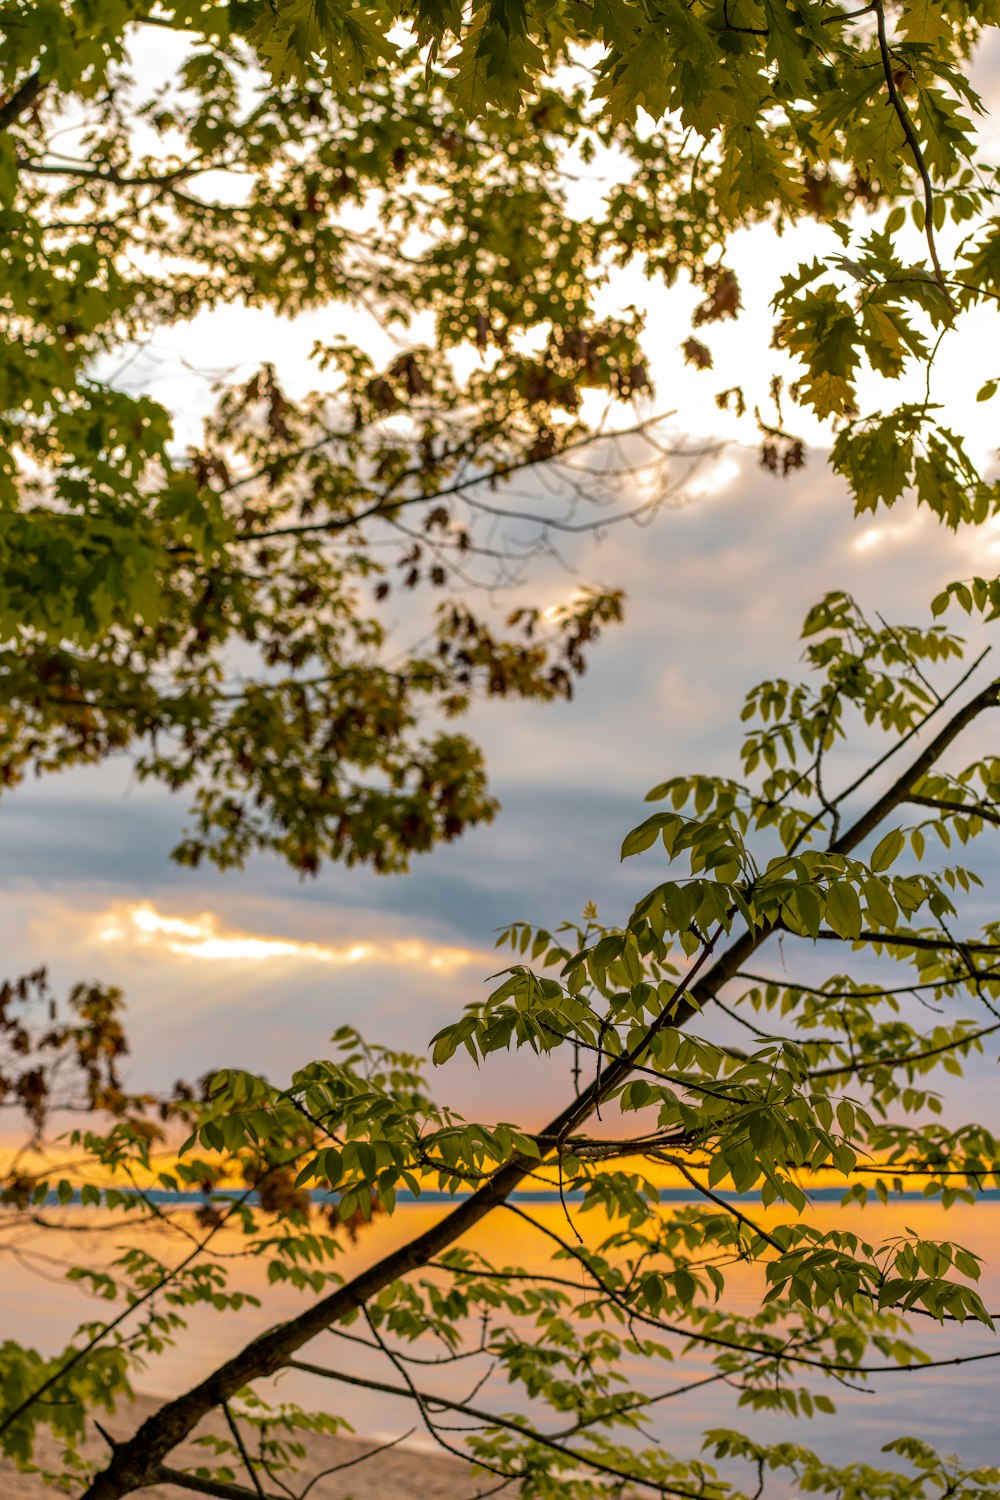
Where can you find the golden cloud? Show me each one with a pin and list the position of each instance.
(141, 925)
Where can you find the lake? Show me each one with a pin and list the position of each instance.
(955, 1409)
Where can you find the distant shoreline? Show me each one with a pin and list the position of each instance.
(164, 1198)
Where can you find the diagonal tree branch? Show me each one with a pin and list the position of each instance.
(735, 956)
(135, 1462)
(893, 751)
(20, 100)
(241, 1445)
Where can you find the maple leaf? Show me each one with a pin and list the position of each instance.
(697, 354)
(723, 300)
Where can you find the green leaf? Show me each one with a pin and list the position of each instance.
(645, 835)
(843, 909)
(888, 849)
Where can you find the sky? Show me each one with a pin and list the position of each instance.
(257, 968)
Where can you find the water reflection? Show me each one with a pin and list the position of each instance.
(953, 1408)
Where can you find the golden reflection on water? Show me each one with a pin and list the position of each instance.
(953, 1408)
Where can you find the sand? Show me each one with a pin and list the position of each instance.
(402, 1473)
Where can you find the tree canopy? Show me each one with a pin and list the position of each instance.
(306, 156)
(218, 612)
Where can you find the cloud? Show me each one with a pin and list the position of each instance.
(887, 533)
(140, 925)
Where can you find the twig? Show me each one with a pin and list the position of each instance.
(220, 1488)
(349, 1463)
(876, 765)
(491, 1419)
(912, 140)
(966, 809)
(238, 1440)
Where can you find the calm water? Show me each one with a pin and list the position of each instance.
(956, 1409)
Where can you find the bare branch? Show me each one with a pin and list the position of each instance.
(912, 140)
(491, 1419)
(218, 1487)
(966, 809)
(238, 1440)
(361, 1458)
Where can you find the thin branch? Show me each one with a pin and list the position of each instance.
(782, 1354)
(861, 992)
(491, 1419)
(876, 765)
(114, 178)
(906, 940)
(388, 503)
(913, 141)
(966, 809)
(909, 657)
(218, 1487)
(146, 1296)
(732, 960)
(241, 1446)
(418, 1396)
(411, 1359)
(361, 1458)
(904, 1059)
(726, 1207)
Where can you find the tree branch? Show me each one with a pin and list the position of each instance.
(894, 750)
(135, 1460)
(20, 100)
(905, 940)
(966, 809)
(735, 956)
(491, 1419)
(912, 140)
(218, 1487)
(241, 1446)
(386, 504)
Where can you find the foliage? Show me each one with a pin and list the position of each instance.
(217, 613)
(821, 1082)
(368, 166)
(201, 609)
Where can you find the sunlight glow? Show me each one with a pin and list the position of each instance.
(141, 925)
(718, 477)
(885, 533)
(553, 611)
(987, 542)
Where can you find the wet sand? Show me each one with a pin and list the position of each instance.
(401, 1473)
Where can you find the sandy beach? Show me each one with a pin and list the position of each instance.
(402, 1473)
